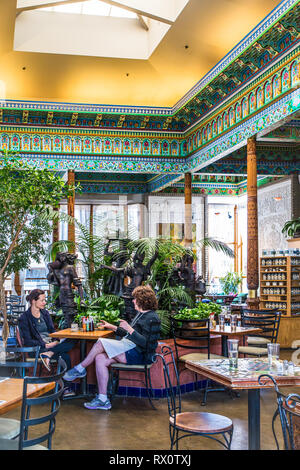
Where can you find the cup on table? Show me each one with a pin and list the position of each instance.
(233, 352)
(221, 321)
(74, 327)
(233, 322)
(273, 355)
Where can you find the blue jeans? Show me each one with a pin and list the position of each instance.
(62, 350)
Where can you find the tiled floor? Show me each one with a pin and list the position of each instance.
(133, 424)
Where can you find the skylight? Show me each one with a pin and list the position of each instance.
(91, 7)
(130, 29)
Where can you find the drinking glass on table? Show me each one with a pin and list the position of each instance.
(221, 321)
(233, 352)
(273, 355)
(233, 322)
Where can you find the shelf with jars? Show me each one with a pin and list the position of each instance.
(280, 284)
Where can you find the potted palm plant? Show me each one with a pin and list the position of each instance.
(292, 228)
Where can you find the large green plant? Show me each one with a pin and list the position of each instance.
(292, 228)
(200, 312)
(105, 307)
(230, 282)
(27, 197)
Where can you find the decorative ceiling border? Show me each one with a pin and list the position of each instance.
(251, 37)
(241, 47)
(104, 164)
(237, 138)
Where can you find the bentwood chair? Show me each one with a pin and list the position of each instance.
(288, 410)
(43, 415)
(145, 369)
(183, 424)
(195, 335)
(268, 321)
(10, 428)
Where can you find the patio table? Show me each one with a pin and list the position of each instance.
(229, 332)
(83, 337)
(11, 392)
(244, 378)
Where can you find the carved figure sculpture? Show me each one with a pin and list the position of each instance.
(62, 274)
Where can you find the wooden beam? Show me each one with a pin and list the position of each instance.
(188, 210)
(252, 226)
(143, 22)
(47, 5)
(138, 11)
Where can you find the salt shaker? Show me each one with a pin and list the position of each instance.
(285, 367)
(291, 368)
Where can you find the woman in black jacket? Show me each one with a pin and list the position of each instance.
(136, 344)
(35, 326)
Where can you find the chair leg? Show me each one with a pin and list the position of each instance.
(203, 403)
(148, 382)
(113, 384)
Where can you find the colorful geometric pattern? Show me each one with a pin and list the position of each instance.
(254, 87)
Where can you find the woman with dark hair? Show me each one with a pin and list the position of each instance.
(35, 326)
(136, 344)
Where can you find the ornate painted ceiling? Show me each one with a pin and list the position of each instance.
(253, 90)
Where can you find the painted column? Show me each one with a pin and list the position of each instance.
(142, 220)
(252, 246)
(188, 209)
(55, 228)
(71, 209)
(125, 208)
(235, 242)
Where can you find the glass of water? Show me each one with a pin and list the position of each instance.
(233, 322)
(233, 352)
(221, 321)
(273, 355)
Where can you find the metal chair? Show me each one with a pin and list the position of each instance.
(117, 367)
(193, 334)
(52, 399)
(10, 428)
(268, 321)
(288, 410)
(190, 423)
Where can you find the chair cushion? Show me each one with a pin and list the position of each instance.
(8, 444)
(9, 428)
(202, 422)
(198, 357)
(257, 340)
(118, 365)
(253, 351)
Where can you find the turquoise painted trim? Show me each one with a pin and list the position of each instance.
(237, 138)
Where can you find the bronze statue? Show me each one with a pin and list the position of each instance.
(194, 284)
(138, 273)
(115, 282)
(62, 274)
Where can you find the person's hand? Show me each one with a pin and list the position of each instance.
(107, 325)
(51, 345)
(126, 326)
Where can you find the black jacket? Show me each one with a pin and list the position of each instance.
(145, 335)
(28, 330)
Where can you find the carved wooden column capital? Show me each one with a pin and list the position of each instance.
(188, 209)
(71, 209)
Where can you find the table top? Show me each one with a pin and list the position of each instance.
(92, 335)
(238, 331)
(11, 392)
(245, 377)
